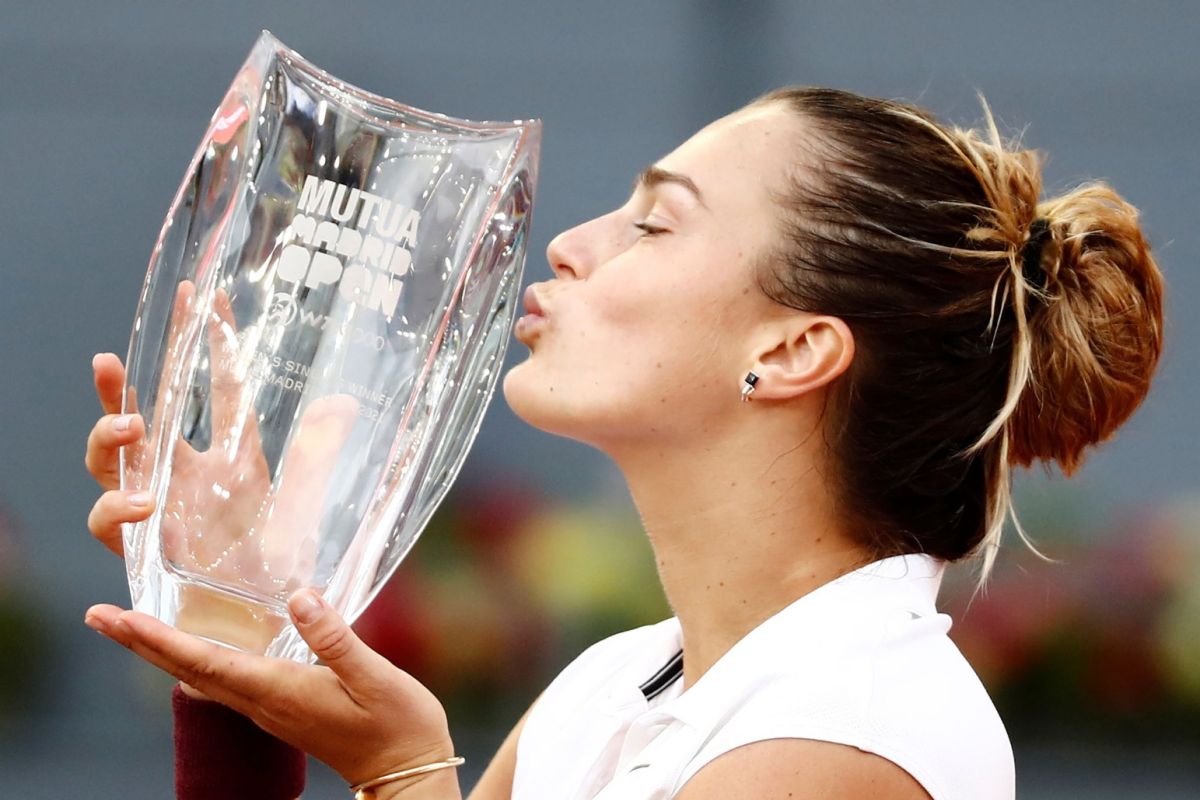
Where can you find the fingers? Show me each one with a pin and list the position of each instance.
(226, 396)
(185, 294)
(113, 508)
(239, 680)
(108, 436)
(169, 355)
(234, 417)
(193, 692)
(108, 373)
(102, 459)
(359, 667)
(109, 376)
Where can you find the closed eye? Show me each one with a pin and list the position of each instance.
(647, 229)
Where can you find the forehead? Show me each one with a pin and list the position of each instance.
(737, 159)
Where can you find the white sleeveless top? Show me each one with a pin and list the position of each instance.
(863, 660)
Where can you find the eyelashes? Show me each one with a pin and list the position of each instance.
(648, 229)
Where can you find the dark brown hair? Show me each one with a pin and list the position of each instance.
(912, 232)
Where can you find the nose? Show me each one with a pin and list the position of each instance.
(573, 253)
(558, 253)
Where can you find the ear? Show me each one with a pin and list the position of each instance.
(800, 354)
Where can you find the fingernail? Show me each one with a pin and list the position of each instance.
(306, 607)
(96, 360)
(95, 623)
(121, 424)
(139, 499)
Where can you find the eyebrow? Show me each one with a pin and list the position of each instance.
(653, 176)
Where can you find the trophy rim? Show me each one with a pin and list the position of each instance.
(529, 128)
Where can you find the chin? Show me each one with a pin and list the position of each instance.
(531, 398)
(601, 422)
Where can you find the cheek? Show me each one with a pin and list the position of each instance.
(627, 355)
(636, 326)
(640, 344)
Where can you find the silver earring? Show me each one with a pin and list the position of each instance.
(748, 385)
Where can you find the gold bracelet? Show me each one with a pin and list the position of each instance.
(358, 789)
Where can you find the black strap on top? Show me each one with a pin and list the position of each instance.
(670, 672)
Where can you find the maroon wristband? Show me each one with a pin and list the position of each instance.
(222, 755)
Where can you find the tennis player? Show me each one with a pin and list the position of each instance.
(816, 340)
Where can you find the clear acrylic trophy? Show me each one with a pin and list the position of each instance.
(321, 328)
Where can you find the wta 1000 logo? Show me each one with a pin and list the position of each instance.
(354, 239)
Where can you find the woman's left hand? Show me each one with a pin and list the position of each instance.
(358, 713)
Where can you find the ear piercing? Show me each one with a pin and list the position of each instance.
(748, 385)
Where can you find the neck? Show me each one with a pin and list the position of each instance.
(738, 532)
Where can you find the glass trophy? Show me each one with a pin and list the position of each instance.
(320, 331)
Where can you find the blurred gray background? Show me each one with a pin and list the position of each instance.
(101, 107)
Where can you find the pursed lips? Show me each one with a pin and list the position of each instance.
(533, 304)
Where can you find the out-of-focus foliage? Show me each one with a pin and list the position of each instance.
(1103, 643)
(22, 641)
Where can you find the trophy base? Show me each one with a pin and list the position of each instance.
(220, 616)
(227, 620)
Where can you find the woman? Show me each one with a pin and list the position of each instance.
(908, 321)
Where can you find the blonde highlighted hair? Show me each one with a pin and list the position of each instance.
(914, 233)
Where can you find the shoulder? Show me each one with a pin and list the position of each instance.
(789, 768)
(902, 694)
(929, 705)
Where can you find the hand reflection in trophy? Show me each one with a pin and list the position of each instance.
(223, 520)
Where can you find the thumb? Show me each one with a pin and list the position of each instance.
(333, 641)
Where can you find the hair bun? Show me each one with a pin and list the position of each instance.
(1095, 346)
